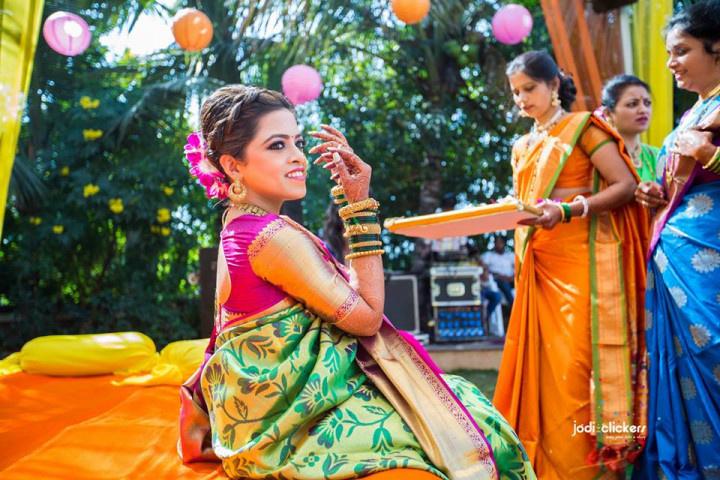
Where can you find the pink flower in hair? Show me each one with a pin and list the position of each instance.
(212, 179)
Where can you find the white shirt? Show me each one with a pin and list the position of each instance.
(500, 263)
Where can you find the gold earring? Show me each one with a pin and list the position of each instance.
(237, 193)
(555, 99)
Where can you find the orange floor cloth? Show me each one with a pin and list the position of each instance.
(86, 429)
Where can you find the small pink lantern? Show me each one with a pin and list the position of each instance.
(512, 24)
(67, 33)
(301, 84)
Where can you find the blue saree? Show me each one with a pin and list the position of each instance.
(683, 325)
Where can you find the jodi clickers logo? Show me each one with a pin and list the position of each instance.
(608, 429)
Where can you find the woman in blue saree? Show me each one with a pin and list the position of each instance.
(683, 286)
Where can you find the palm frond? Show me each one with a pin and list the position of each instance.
(26, 186)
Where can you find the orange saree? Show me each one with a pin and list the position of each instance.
(572, 378)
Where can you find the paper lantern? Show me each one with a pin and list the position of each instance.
(411, 11)
(66, 33)
(301, 84)
(192, 29)
(512, 24)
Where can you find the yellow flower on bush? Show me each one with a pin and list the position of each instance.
(35, 220)
(65, 171)
(90, 189)
(58, 229)
(154, 229)
(165, 231)
(168, 191)
(90, 134)
(116, 205)
(163, 215)
(88, 103)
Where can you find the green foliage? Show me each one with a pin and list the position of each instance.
(69, 262)
(426, 105)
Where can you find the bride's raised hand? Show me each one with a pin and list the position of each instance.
(332, 137)
(350, 171)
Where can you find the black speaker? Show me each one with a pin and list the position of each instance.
(600, 6)
(454, 286)
(208, 269)
(401, 302)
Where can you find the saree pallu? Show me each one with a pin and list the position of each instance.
(574, 353)
(287, 398)
(683, 341)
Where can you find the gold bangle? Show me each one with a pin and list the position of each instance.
(369, 243)
(361, 214)
(350, 256)
(339, 201)
(714, 164)
(362, 229)
(337, 190)
(367, 204)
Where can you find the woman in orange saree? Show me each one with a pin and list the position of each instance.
(572, 377)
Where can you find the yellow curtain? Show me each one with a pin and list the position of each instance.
(649, 60)
(19, 31)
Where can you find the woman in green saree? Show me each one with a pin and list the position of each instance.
(304, 378)
(627, 106)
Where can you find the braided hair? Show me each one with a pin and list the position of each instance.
(230, 116)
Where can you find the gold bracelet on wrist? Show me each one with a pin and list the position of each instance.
(371, 243)
(337, 191)
(339, 200)
(367, 204)
(362, 229)
(366, 213)
(714, 164)
(367, 253)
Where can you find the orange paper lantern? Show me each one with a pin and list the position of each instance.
(411, 11)
(192, 29)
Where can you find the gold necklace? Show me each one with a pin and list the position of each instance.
(714, 91)
(540, 132)
(635, 155)
(250, 209)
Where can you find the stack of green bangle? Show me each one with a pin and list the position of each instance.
(362, 228)
(714, 164)
(567, 213)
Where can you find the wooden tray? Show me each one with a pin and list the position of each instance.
(465, 222)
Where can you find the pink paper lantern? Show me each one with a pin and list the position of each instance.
(301, 84)
(512, 24)
(67, 33)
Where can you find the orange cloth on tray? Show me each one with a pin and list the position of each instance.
(85, 428)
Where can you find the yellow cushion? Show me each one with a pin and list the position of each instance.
(178, 360)
(10, 364)
(91, 354)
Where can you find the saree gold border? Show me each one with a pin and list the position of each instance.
(440, 431)
(233, 321)
(611, 344)
(264, 237)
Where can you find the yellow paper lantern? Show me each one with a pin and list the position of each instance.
(192, 29)
(411, 11)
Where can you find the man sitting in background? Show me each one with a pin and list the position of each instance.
(501, 264)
